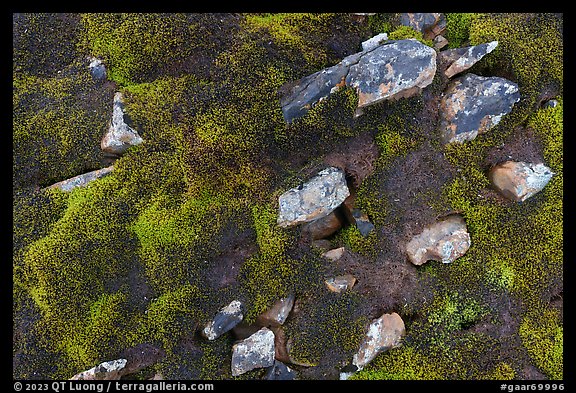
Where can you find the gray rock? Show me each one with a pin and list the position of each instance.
(120, 136)
(313, 200)
(81, 180)
(362, 222)
(550, 104)
(277, 314)
(472, 105)
(519, 180)
(340, 283)
(444, 241)
(225, 320)
(257, 351)
(383, 334)
(97, 69)
(374, 41)
(280, 372)
(429, 24)
(110, 370)
(464, 58)
(391, 70)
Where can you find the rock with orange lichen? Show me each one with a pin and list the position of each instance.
(473, 105)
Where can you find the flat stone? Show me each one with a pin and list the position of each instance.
(313, 200)
(280, 372)
(334, 254)
(257, 351)
(120, 135)
(473, 105)
(440, 42)
(466, 57)
(396, 69)
(225, 320)
(383, 334)
(109, 371)
(519, 181)
(277, 314)
(391, 70)
(340, 283)
(81, 180)
(444, 241)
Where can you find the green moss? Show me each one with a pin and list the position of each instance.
(543, 336)
(458, 28)
(330, 326)
(502, 372)
(406, 32)
(351, 238)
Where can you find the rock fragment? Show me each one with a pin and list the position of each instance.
(257, 351)
(120, 135)
(280, 372)
(472, 105)
(444, 241)
(313, 200)
(464, 58)
(374, 41)
(81, 180)
(519, 181)
(108, 371)
(340, 283)
(225, 320)
(277, 314)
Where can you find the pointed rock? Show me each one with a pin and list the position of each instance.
(313, 200)
(383, 334)
(519, 180)
(120, 136)
(256, 351)
(465, 58)
(109, 371)
(443, 241)
(225, 320)
(472, 105)
(81, 180)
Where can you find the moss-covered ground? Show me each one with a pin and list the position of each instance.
(186, 222)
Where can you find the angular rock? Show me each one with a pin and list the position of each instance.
(313, 200)
(323, 227)
(362, 222)
(393, 70)
(334, 254)
(472, 105)
(465, 58)
(257, 351)
(81, 180)
(383, 334)
(443, 241)
(280, 372)
(109, 371)
(429, 24)
(374, 41)
(277, 314)
(440, 42)
(225, 320)
(120, 136)
(340, 283)
(519, 180)
(97, 69)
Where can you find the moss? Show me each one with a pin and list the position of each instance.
(330, 326)
(351, 238)
(543, 336)
(406, 32)
(458, 28)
